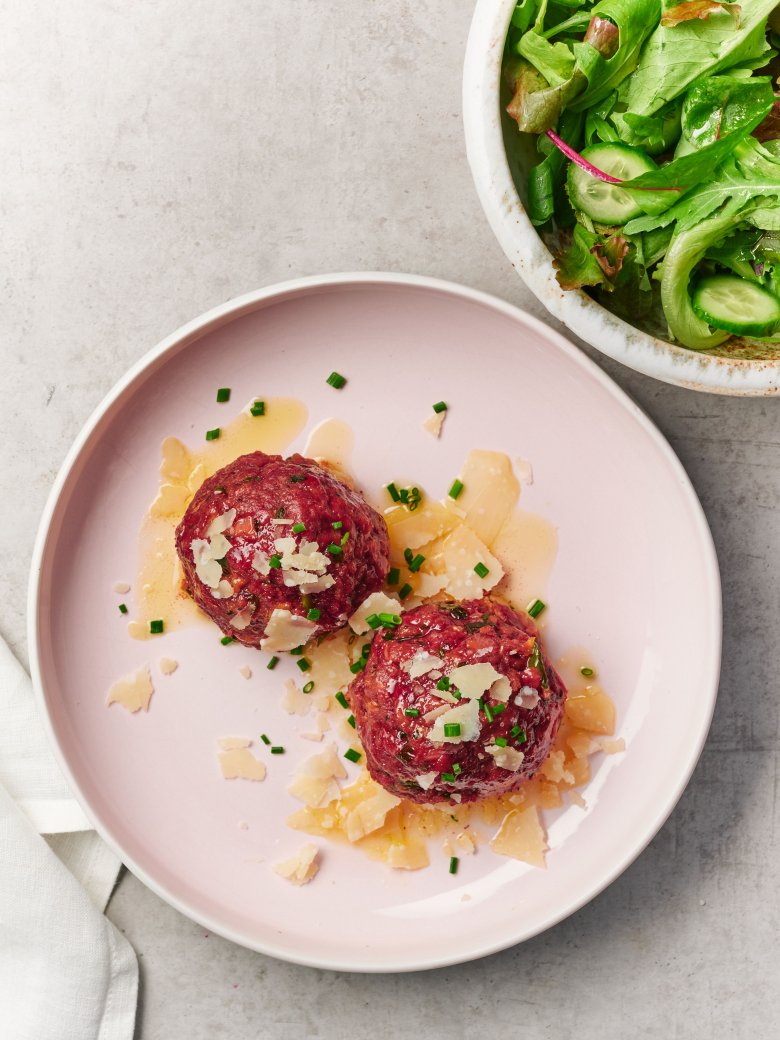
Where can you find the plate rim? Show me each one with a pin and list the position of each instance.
(230, 311)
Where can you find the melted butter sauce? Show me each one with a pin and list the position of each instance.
(182, 471)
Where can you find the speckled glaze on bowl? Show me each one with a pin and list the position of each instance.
(494, 148)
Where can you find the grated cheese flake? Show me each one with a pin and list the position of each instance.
(133, 692)
(285, 631)
(466, 715)
(421, 664)
(474, 679)
(294, 700)
(520, 836)
(300, 868)
(506, 757)
(168, 666)
(239, 763)
(376, 603)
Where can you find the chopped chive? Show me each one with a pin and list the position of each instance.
(393, 492)
(394, 576)
(351, 720)
(587, 672)
(352, 755)
(334, 550)
(358, 666)
(227, 640)
(156, 627)
(342, 699)
(413, 713)
(453, 864)
(366, 650)
(444, 683)
(488, 712)
(455, 490)
(304, 664)
(451, 729)
(297, 478)
(337, 524)
(515, 731)
(223, 394)
(390, 620)
(481, 570)
(373, 621)
(122, 608)
(345, 538)
(536, 608)
(336, 380)
(257, 409)
(448, 778)
(297, 650)
(275, 561)
(213, 435)
(314, 614)
(501, 741)
(272, 664)
(408, 555)
(456, 694)
(404, 591)
(416, 563)
(297, 528)
(522, 737)
(440, 406)
(309, 686)
(498, 708)
(277, 750)
(536, 661)
(456, 768)
(264, 738)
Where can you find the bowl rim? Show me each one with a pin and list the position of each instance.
(532, 260)
(230, 311)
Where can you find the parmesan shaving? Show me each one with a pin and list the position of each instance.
(474, 679)
(294, 700)
(300, 868)
(434, 423)
(466, 715)
(461, 551)
(506, 757)
(421, 664)
(246, 671)
(520, 836)
(240, 764)
(285, 631)
(133, 692)
(121, 587)
(168, 666)
(370, 815)
(376, 603)
(426, 780)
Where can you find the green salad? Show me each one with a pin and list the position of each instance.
(657, 130)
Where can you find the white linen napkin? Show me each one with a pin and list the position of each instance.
(65, 971)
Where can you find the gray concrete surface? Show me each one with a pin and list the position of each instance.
(160, 157)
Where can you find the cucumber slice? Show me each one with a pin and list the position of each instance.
(727, 302)
(603, 202)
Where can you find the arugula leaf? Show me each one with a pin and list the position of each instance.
(700, 48)
(750, 173)
(717, 114)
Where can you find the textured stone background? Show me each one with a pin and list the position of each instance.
(163, 156)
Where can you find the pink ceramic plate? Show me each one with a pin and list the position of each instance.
(635, 580)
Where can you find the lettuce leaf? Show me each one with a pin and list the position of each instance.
(701, 49)
(750, 174)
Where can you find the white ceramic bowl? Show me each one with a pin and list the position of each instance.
(494, 149)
